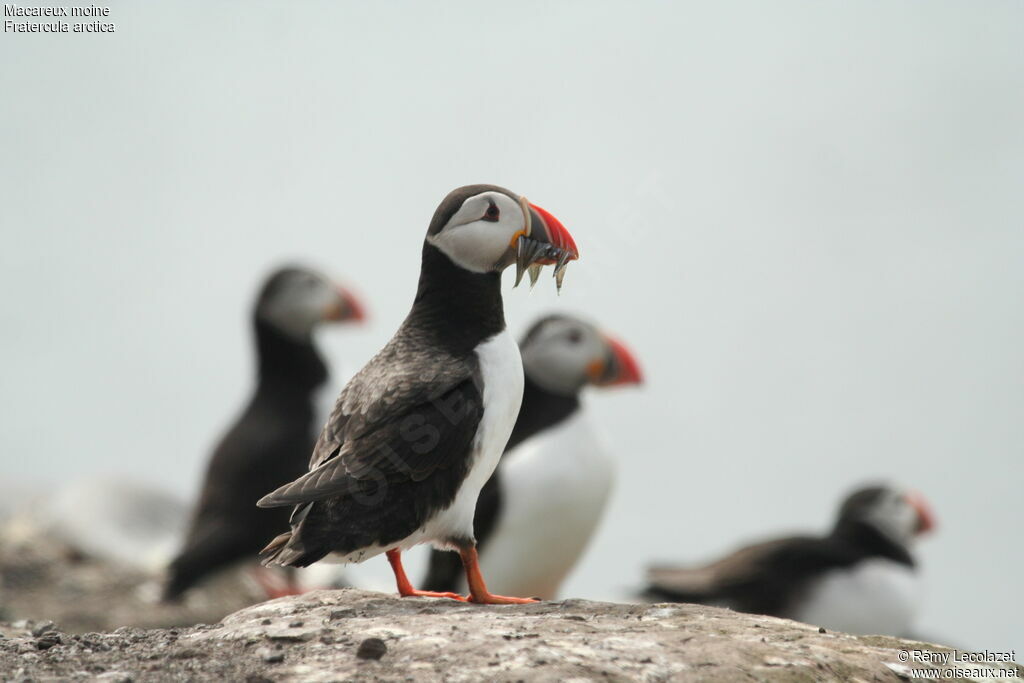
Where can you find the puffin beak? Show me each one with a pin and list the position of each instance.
(345, 308)
(618, 367)
(543, 241)
(925, 517)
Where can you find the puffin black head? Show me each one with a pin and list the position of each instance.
(563, 354)
(294, 300)
(900, 515)
(486, 228)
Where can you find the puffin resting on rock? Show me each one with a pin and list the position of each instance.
(418, 431)
(860, 578)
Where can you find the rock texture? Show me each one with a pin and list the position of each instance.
(357, 635)
(47, 580)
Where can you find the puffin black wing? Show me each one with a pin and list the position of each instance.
(762, 579)
(406, 416)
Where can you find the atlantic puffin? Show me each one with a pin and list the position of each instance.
(269, 443)
(860, 578)
(538, 511)
(418, 431)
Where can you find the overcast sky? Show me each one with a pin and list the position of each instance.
(805, 218)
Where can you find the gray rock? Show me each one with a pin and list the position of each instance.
(42, 585)
(43, 627)
(48, 640)
(421, 639)
(114, 677)
(270, 656)
(372, 648)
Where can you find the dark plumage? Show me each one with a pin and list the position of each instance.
(411, 412)
(270, 441)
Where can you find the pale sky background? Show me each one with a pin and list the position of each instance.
(805, 218)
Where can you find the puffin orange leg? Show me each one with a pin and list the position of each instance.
(478, 589)
(405, 588)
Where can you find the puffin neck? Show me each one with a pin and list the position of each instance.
(284, 360)
(457, 307)
(541, 409)
(872, 540)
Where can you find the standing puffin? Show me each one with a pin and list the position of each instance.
(418, 431)
(860, 578)
(269, 443)
(537, 512)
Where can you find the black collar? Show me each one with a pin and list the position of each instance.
(867, 539)
(541, 410)
(285, 362)
(455, 308)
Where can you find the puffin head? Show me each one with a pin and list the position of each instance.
(563, 354)
(296, 299)
(486, 228)
(900, 515)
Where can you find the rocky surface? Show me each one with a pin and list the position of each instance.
(46, 580)
(357, 635)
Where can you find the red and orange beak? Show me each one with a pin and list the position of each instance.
(555, 234)
(619, 366)
(346, 308)
(543, 241)
(925, 517)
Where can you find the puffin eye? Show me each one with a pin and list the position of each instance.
(575, 337)
(492, 213)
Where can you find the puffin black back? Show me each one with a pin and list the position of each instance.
(453, 312)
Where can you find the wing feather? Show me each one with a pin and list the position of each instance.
(721, 578)
(409, 445)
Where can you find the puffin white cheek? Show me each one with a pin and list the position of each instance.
(477, 246)
(326, 298)
(294, 315)
(557, 369)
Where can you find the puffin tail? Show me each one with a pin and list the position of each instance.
(288, 549)
(277, 551)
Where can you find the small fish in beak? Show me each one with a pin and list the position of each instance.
(543, 241)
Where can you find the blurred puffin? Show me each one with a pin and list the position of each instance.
(537, 512)
(269, 443)
(418, 431)
(860, 578)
